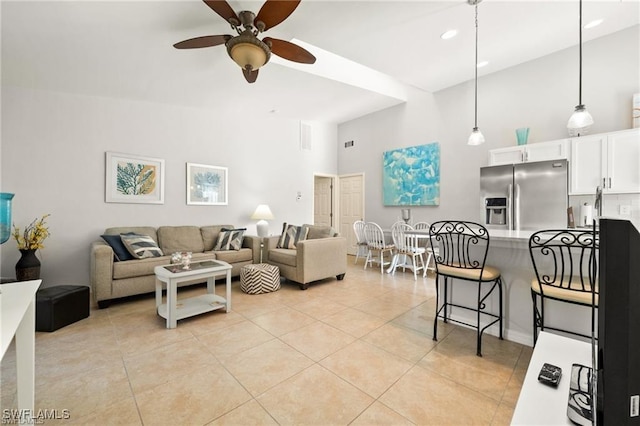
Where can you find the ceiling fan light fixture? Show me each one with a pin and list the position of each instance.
(248, 51)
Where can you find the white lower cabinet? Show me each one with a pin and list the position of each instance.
(608, 160)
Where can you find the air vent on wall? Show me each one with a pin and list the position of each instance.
(305, 137)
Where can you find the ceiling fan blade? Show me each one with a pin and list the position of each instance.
(290, 51)
(205, 41)
(222, 8)
(250, 76)
(274, 12)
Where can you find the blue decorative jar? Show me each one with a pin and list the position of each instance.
(5, 216)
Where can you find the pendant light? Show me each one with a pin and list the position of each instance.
(580, 121)
(476, 137)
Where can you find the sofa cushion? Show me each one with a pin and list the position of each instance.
(320, 231)
(230, 239)
(140, 230)
(235, 256)
(141, 246)
(210, 235)
(291, 234)
(120, 251)
(283, 256)
(180, 238)
(138, 267)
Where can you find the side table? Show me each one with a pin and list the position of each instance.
(172, 275)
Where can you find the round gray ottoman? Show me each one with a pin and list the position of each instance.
(259, 278)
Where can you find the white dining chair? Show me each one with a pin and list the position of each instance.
(361, 241)
(431, 249)
(377, 246)
(408, 253)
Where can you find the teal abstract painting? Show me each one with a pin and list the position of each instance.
(411, 176)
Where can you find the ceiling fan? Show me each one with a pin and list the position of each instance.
(245, 48)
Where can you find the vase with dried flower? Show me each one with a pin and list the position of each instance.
(29, 241)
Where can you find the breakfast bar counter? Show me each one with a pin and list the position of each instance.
(509, 251)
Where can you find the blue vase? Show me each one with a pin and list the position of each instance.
(5, 216)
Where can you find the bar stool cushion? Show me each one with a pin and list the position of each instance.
(569, 295)
(490, 273)
(259, 278)
(59, 306)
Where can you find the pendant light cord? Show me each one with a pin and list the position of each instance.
(580, 55)
(476, 71)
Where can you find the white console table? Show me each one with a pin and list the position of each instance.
(540, 404)
(18, 318)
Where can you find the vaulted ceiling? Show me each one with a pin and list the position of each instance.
(124, 49)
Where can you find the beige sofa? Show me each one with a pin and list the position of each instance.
(112, 279)
(322, 255)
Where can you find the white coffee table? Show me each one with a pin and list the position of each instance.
(171, 275)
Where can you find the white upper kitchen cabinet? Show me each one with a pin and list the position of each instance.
(540, 151)
(608, 160)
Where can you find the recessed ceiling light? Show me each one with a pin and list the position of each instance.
(593, 23)
(482, 64)
(449, 34)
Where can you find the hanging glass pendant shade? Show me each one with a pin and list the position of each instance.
(580, 121)
(476, 137)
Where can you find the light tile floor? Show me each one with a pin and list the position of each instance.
(357, 351)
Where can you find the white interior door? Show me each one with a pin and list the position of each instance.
(323, 201)
(351, 207)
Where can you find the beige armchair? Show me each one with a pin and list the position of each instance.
(322, 255)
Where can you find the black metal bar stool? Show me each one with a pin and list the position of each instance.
(566, 266)
(463, 248)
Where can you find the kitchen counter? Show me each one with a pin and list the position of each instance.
(510, 235)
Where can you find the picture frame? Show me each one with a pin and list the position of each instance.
(133, 179)
(411, 176)
(207, 185)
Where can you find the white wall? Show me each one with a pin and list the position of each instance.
(53, 159)
(539, 94)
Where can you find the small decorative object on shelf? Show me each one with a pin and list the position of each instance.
(29, 241)
(522, 135)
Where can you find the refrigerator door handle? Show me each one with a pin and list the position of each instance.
(510, 207)
(516, 197)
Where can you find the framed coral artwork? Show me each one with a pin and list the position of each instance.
(206, 185)
(134, 179)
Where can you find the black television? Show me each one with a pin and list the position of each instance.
(618, 344)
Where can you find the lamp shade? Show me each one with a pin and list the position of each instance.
(476, 137)
(263, 212)
(580, 121)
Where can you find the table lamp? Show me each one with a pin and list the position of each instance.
(262, 213)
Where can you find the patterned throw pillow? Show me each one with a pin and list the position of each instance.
(141, 246)
(291, 234)
(230, 239)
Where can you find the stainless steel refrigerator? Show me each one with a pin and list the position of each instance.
(527, 196)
